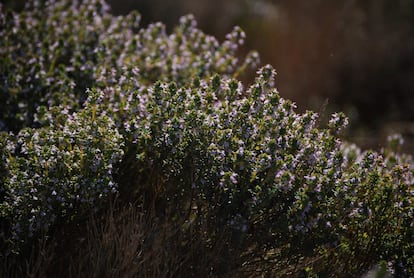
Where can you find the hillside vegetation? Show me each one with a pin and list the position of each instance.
(127, 151)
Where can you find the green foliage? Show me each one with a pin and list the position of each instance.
(167, 122)
(53, 51)
(58, 171)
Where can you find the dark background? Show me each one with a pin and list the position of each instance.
(355, 56)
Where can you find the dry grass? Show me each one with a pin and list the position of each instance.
(34, 261)
(126, 241)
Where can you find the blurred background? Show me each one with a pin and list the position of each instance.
(355, 56)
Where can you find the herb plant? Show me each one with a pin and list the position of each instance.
(94, 106)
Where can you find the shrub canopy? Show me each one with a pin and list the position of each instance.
(92, 104)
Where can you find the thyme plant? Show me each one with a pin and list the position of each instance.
(94, 105)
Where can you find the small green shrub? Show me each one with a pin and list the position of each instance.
(54, 50)
(58, 171)
(163, 119)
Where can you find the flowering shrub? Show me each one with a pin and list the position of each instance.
(374, 206)
(59, 171)
(65, 149)
(63, 46)
(249, 165)
(166, 121)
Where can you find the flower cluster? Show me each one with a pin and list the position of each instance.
(269, 175)
(62, 46)
(167, 121)
(64, 153)
(58, 172)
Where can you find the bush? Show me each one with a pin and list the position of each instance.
(167, 123)
(58, 171)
